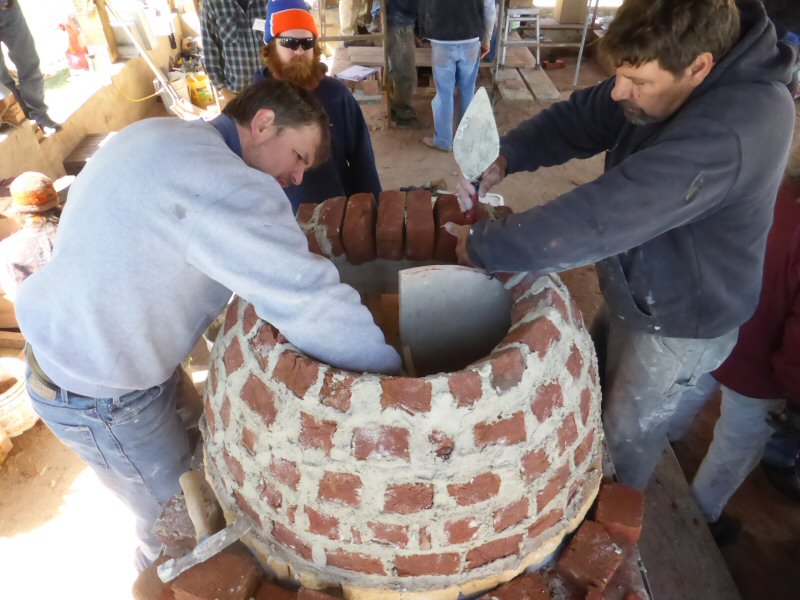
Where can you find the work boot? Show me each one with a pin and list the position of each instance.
(725, 529)
(46, 123)
(784, 479)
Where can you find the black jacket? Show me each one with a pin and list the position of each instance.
(451, 20)
(679, 219)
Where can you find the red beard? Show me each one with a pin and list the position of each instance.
(302, 71)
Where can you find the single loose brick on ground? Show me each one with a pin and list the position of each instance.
(591, 558)
(620, 509)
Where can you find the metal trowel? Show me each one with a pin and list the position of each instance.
(476, 144)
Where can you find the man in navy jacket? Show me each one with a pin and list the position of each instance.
(291, 53)
(696, 127)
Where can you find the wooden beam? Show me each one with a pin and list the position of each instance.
(370, 56)
(511, 86)
(681, 557)
(540, 85)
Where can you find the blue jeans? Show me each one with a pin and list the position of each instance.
(16, 36)
(784, 450)
(136, 444)
(455, 66)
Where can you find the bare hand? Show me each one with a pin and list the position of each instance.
(493, 175)
(484, 48)
(461, 232)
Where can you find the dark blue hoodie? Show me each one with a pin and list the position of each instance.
(679, 219)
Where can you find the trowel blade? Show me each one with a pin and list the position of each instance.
(451, 316)
(204, 550)
(476, 143)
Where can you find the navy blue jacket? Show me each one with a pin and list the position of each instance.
(351, 168)
(679, 219)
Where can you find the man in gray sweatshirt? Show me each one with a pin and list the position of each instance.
(163, 225)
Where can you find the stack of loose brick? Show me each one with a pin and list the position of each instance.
(403, 225)
(228, 575)
(10, 111)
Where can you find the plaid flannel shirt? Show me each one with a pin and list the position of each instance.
(231, 48)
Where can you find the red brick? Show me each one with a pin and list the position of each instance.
(211, 420)
(331, 220)
(425, 540)
(148, 586)
(529, 586)
(408, 498)
(264, 342)
(511, 515)
(505, 431)
(381, 442)
(313, 243)
(507, 369)
(340, 487)
(225, 412)
(231, 315)
(483, 212)
(553, 487)
(521, 308)
(443, 444)
(287, 538)
(419, 225)
(465, 387)
(316, 433)
(593, 593)
(548, 398)
(233, 358)
(545, 522)
(534, 465)
(446, 210)
(337, 387)
(291, 514)
(321, 524)
(632, 596)
(567, 432)
(576, 488)
(502, 211)
(492, 551)
(350, 561)
(297, 372)
(387, 533)
(285, 471)
(260, 398)
(522, 288)
(418, 565)
(479, 488)
(461, 531)
(390, 230)
(269, 494)
(249, 319)
(212, 379)
(575, 362)
(355, 535)
(406, 393)
(249, 439)
(273, 591)
(583, 449)
(620, 509)
(538, 335)
(245, 507)
(305, 213)
(225, 576)
(591, 557)
(234, 466)
(586, 405)
(358, 231)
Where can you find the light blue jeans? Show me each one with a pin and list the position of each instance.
(455, 66)
(136, 444)
(645, 378)
(16, 36)
(740, 435)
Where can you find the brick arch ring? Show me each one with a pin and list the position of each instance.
(408, 488)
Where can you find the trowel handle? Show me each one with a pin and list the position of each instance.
(193, 494)
(471, 215)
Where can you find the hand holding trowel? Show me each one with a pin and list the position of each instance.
(476, 144)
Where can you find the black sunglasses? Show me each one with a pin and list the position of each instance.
(295, 43)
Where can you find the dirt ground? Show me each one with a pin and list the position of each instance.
(62, 535)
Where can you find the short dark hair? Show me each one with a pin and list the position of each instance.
(673, 32)
(293, 107)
